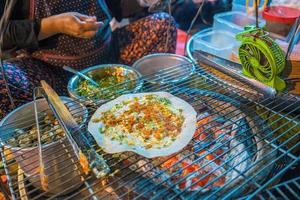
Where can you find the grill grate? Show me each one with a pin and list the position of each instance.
(286, 190)
(267, 128)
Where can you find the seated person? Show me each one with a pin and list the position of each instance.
(50, 34)
(189, 8)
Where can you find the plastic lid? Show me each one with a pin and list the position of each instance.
(281, 14)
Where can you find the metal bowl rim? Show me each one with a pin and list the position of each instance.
(84, 120)
(191, 40)
(73, 94)
(166, 55)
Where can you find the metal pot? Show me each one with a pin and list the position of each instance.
(59, 167)
(100, 71)
(163, 68)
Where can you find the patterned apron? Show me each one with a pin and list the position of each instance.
(62, 49)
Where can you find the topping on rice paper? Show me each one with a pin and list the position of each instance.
(150, 124)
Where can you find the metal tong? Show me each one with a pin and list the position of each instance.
(293, 38)
(86, 154)
(233, 69)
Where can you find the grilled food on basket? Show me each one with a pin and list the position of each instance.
(150, 124)
(51, 131)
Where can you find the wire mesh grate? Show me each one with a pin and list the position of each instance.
(286, 190)
(244, 142)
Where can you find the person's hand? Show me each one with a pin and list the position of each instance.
(78, 25)
(71, 23)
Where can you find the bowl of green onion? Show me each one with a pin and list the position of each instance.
(113, 80)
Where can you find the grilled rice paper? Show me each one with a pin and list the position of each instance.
(149, 124)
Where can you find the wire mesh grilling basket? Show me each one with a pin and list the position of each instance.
(237, 151)
(286, 190)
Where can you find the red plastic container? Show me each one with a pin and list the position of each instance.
(279, 19)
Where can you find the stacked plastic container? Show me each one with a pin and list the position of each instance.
(220, 39)
(239, 5)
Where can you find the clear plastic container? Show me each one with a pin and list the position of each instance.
(243, 2)
(241, 8)
(219, 43)
(238, 7)
(234, 22)
(235, 54)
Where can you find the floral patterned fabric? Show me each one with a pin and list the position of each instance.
(68, 50)
(153, 34)
(143, 37)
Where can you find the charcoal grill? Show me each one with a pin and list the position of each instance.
(286, 190)
(272, 132)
